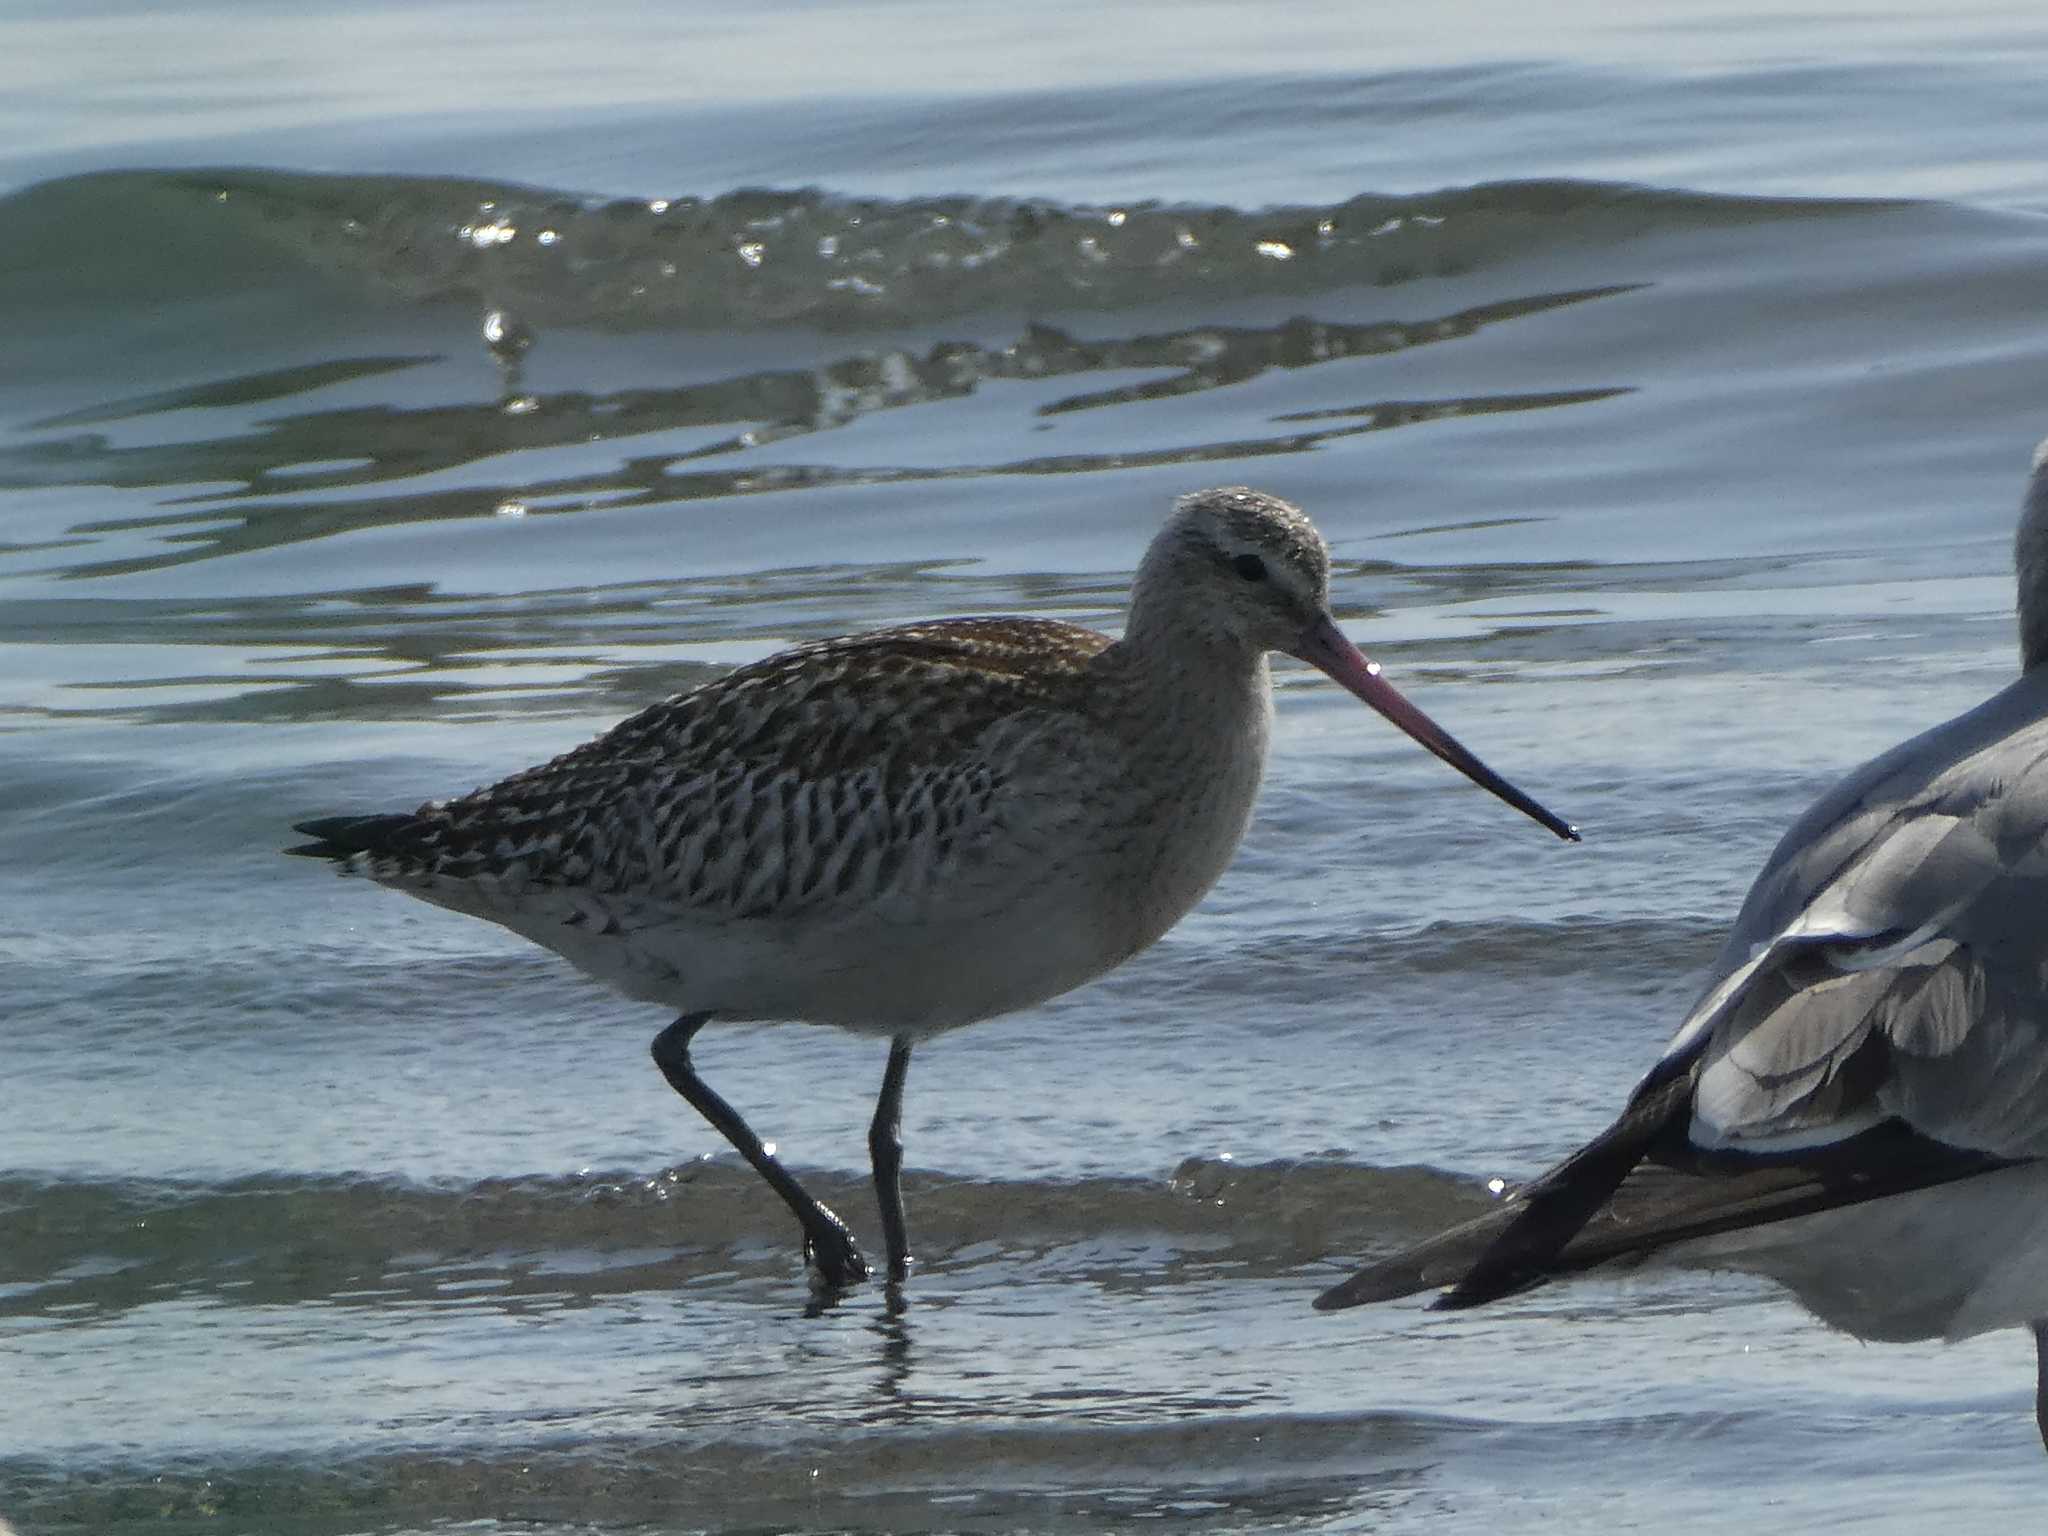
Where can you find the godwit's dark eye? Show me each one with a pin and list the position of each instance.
(1250, 567)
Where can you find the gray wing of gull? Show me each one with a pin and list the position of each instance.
(1875, 1024)
(1891, 961)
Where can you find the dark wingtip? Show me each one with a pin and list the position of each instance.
(1515, 1246)
(1443, 1260)
(343, 837)
(1362, 1289)
(1446, 1260)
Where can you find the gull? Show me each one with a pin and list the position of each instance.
(902, 832)
(1857, 1105)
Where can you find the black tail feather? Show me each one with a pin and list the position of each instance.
(343, 837)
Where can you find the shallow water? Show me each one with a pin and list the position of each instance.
(1664, 385)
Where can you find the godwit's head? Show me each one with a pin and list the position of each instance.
(1234, 567)
(1239, 570)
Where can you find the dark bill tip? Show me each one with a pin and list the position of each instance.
(1323, 646)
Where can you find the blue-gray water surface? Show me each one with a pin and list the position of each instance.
(1664, 380)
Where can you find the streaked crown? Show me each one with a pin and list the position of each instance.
(1233, 565)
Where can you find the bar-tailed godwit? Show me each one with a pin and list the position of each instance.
(910, 830)
(1857, 1105)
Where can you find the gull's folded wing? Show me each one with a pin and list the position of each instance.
(1878, 1022)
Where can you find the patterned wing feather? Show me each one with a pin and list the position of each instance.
(825, 774)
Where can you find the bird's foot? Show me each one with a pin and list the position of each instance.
(832, 1254)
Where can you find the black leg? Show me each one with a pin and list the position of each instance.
(885, 1146)
(827, 1242)
(2041, 1380)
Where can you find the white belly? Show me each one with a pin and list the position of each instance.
(1948, 1262)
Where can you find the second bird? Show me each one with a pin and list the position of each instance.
(906, 831)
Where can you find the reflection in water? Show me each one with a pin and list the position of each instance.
(284, 478)
(248, 389)
(894, 1401)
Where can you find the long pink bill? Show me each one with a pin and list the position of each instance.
(1323, 645)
